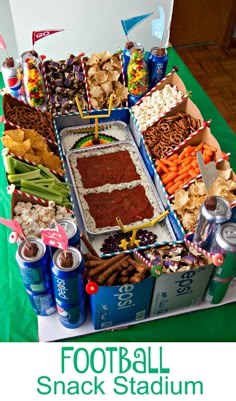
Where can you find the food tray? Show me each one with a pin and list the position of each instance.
(80, 137)
(144, 180)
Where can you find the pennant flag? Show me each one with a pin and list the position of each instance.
(2, 43)
(37, 35)
(13, 224)
(130, 23)
(56, 238)
(158, 25)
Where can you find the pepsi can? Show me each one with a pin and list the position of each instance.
(13, 80)
(72, 231)
(126, 57)
(157, 65)
(68, 287)
(34, 269)
(43, 303)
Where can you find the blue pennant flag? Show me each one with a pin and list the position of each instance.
(130, 23)
(158, 25)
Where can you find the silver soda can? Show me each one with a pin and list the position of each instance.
(224, 243)
(213, 213)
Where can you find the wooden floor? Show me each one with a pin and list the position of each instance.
(215, 70)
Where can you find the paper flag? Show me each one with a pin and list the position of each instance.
(37, 35)
(158, 25)
(13, 224)
(2, 43)
(56, 238)
(130, 23)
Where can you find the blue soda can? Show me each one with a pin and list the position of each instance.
(157, 65)
(72, 231)
(126, 57)
(13, 79)
(43, 303)
(32, 257)
(68, 286)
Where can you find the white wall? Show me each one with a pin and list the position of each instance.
(7, 31)
(90, 25)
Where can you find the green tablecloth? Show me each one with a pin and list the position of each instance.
(18, 323)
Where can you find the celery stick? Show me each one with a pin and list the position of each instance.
(9, 164)
(60, 189)
(48, 172)
(44, 181)
(16, 178)
(23, 167)
(49, 197)
(37, 187)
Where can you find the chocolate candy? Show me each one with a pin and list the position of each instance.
(30, 250)
(66, 259)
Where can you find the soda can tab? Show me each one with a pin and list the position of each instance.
(225, 244)
(12, 72)
(34, 82)
(211, 217)
(32, 257)
(157, 64)
(43, 303)
(126, 56)
(68, 286)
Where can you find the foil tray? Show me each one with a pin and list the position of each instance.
(163, 230)
(80, 137)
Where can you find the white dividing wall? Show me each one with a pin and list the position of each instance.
(90, 25)
(7, 31)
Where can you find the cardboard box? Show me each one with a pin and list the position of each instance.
(119, 304)
(173, 291)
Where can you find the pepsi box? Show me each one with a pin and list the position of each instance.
(120, 304)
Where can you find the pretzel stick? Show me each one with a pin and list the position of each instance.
(88, 244)
(109, 271)
(106, 264)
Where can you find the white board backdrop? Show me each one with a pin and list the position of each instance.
(90, 25)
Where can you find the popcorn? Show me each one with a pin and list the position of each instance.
(154, 105)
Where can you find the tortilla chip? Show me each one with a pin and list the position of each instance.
(17, 148)
(16, 134)
(32, 158)
(36, 140)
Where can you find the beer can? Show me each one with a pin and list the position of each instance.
(72, 231)
(210, 220)
(43, 303)
(35, 270)
(157, 65)
(126, 57)
(68, 287)
(13, 80)
(225, 244)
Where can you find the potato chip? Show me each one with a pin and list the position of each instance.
(101, 77)
(92, 70)
(96, 91)
(188, 221)
(181, 198)
(95, 104)
(225, 173)
(93, 59)
(122, 92)
(104, 56)
(107, 88)
(116, 62)
(16, 134)
(114, 75)
(107, 66)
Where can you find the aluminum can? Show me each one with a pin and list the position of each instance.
(72, 231)
(43, 303)
(126, 58)
(225, 244)
(132, 100)
(156, 66)
(68, 288)
(209, 221)
(35, 271)
(13, 80)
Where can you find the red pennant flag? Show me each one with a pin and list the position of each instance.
(37, 35)
(56, 238)
(2, 43)
(13, 224)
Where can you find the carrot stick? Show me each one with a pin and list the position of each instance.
(192, 172)
(158, 169)
(183, 170)
(199, 147)
(181, 177)
(175, 168)
(171, 177)
(173, 157)
(208, 152)
(209, 147)
(194, 163)
(163, 167)
(206, 159)
(168, 162)
(174, 187)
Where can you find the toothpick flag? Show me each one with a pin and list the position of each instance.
(2, 43)
(130, 23)
(37, 35)
(57, 238)
(158, 25)
(13, 224)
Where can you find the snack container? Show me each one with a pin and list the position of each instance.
(157, 65)
(113, 305)
(126, 57)
(225, 244)
(68, 288)
(43, 303)
(210, 220)
(34, 82)
(34, 270)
